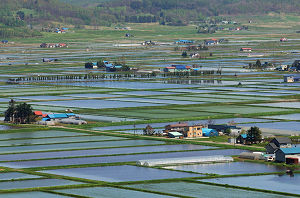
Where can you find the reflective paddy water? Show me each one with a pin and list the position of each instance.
(99, 192)
(16, 175)
(51, 147)
(120, 158)
(120, 173)
(202, 190)
(281, 183)
(231, 168)
(38, 134)
(107, 151)
(35, 183)
(58, 140)
(31, 195)
(94, 104)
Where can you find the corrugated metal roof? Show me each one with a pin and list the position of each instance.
(57, 115)
(293, 150)
(175, 133)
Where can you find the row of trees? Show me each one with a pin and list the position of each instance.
(19, 113)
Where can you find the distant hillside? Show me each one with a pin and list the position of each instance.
(177, 12)
(21, 13)
(82, 3)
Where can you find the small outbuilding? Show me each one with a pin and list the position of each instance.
(175, 135)
(282, 153)
(241, 139)
(209, 132)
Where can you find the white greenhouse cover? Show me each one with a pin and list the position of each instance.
(184, 160)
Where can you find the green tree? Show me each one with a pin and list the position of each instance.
(254, 134)
(258, 64)
(148, 130)
(227, 131)
(21, 15)
(24, 113)
(184, 54)
(10, 112)
(100, 63)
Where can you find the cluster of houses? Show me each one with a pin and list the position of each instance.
(184, 42)
(283, 150)
(109, 67)
(212, 42)
(291, 78)
(148, 43)
(61, 30)
(184, 130)
(53, 45)
(177, 68)
(279, 149)
(283, 39)
(122, 28)
(55, 118)
(295, 67)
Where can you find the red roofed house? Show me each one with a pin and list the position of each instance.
(38, 113)
(246, 49)
(283, 40)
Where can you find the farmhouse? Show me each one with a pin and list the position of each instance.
(242, 139)
(148, 43)
(291, 78)
(187, 131)
(288, 155)
(209, 132)
(184, 42)
(283, 39)
(53, 45)
(276, 143)
(212, 42)
(54, 118)
(177, 68)
(222, 128)
(246, 49)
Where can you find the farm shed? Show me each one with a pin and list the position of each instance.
(209, 132)
(175, 134)
(282, 153)
(252, 156)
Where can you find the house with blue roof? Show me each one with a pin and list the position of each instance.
(288, 155)
(184, 41)
(242, 139)
(206, 132)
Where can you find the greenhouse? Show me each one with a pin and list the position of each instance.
(184, 160)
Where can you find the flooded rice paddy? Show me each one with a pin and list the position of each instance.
(201, 190)
(279, 183)
(120, 173)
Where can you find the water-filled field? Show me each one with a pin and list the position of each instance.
(280, 183)
(201, 190)
(231, 168)
(6, 185)
(97, 192)
(113, 159)
(103, 151)
(120, 173)
(66, 146)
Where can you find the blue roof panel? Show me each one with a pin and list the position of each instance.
(293, 150)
